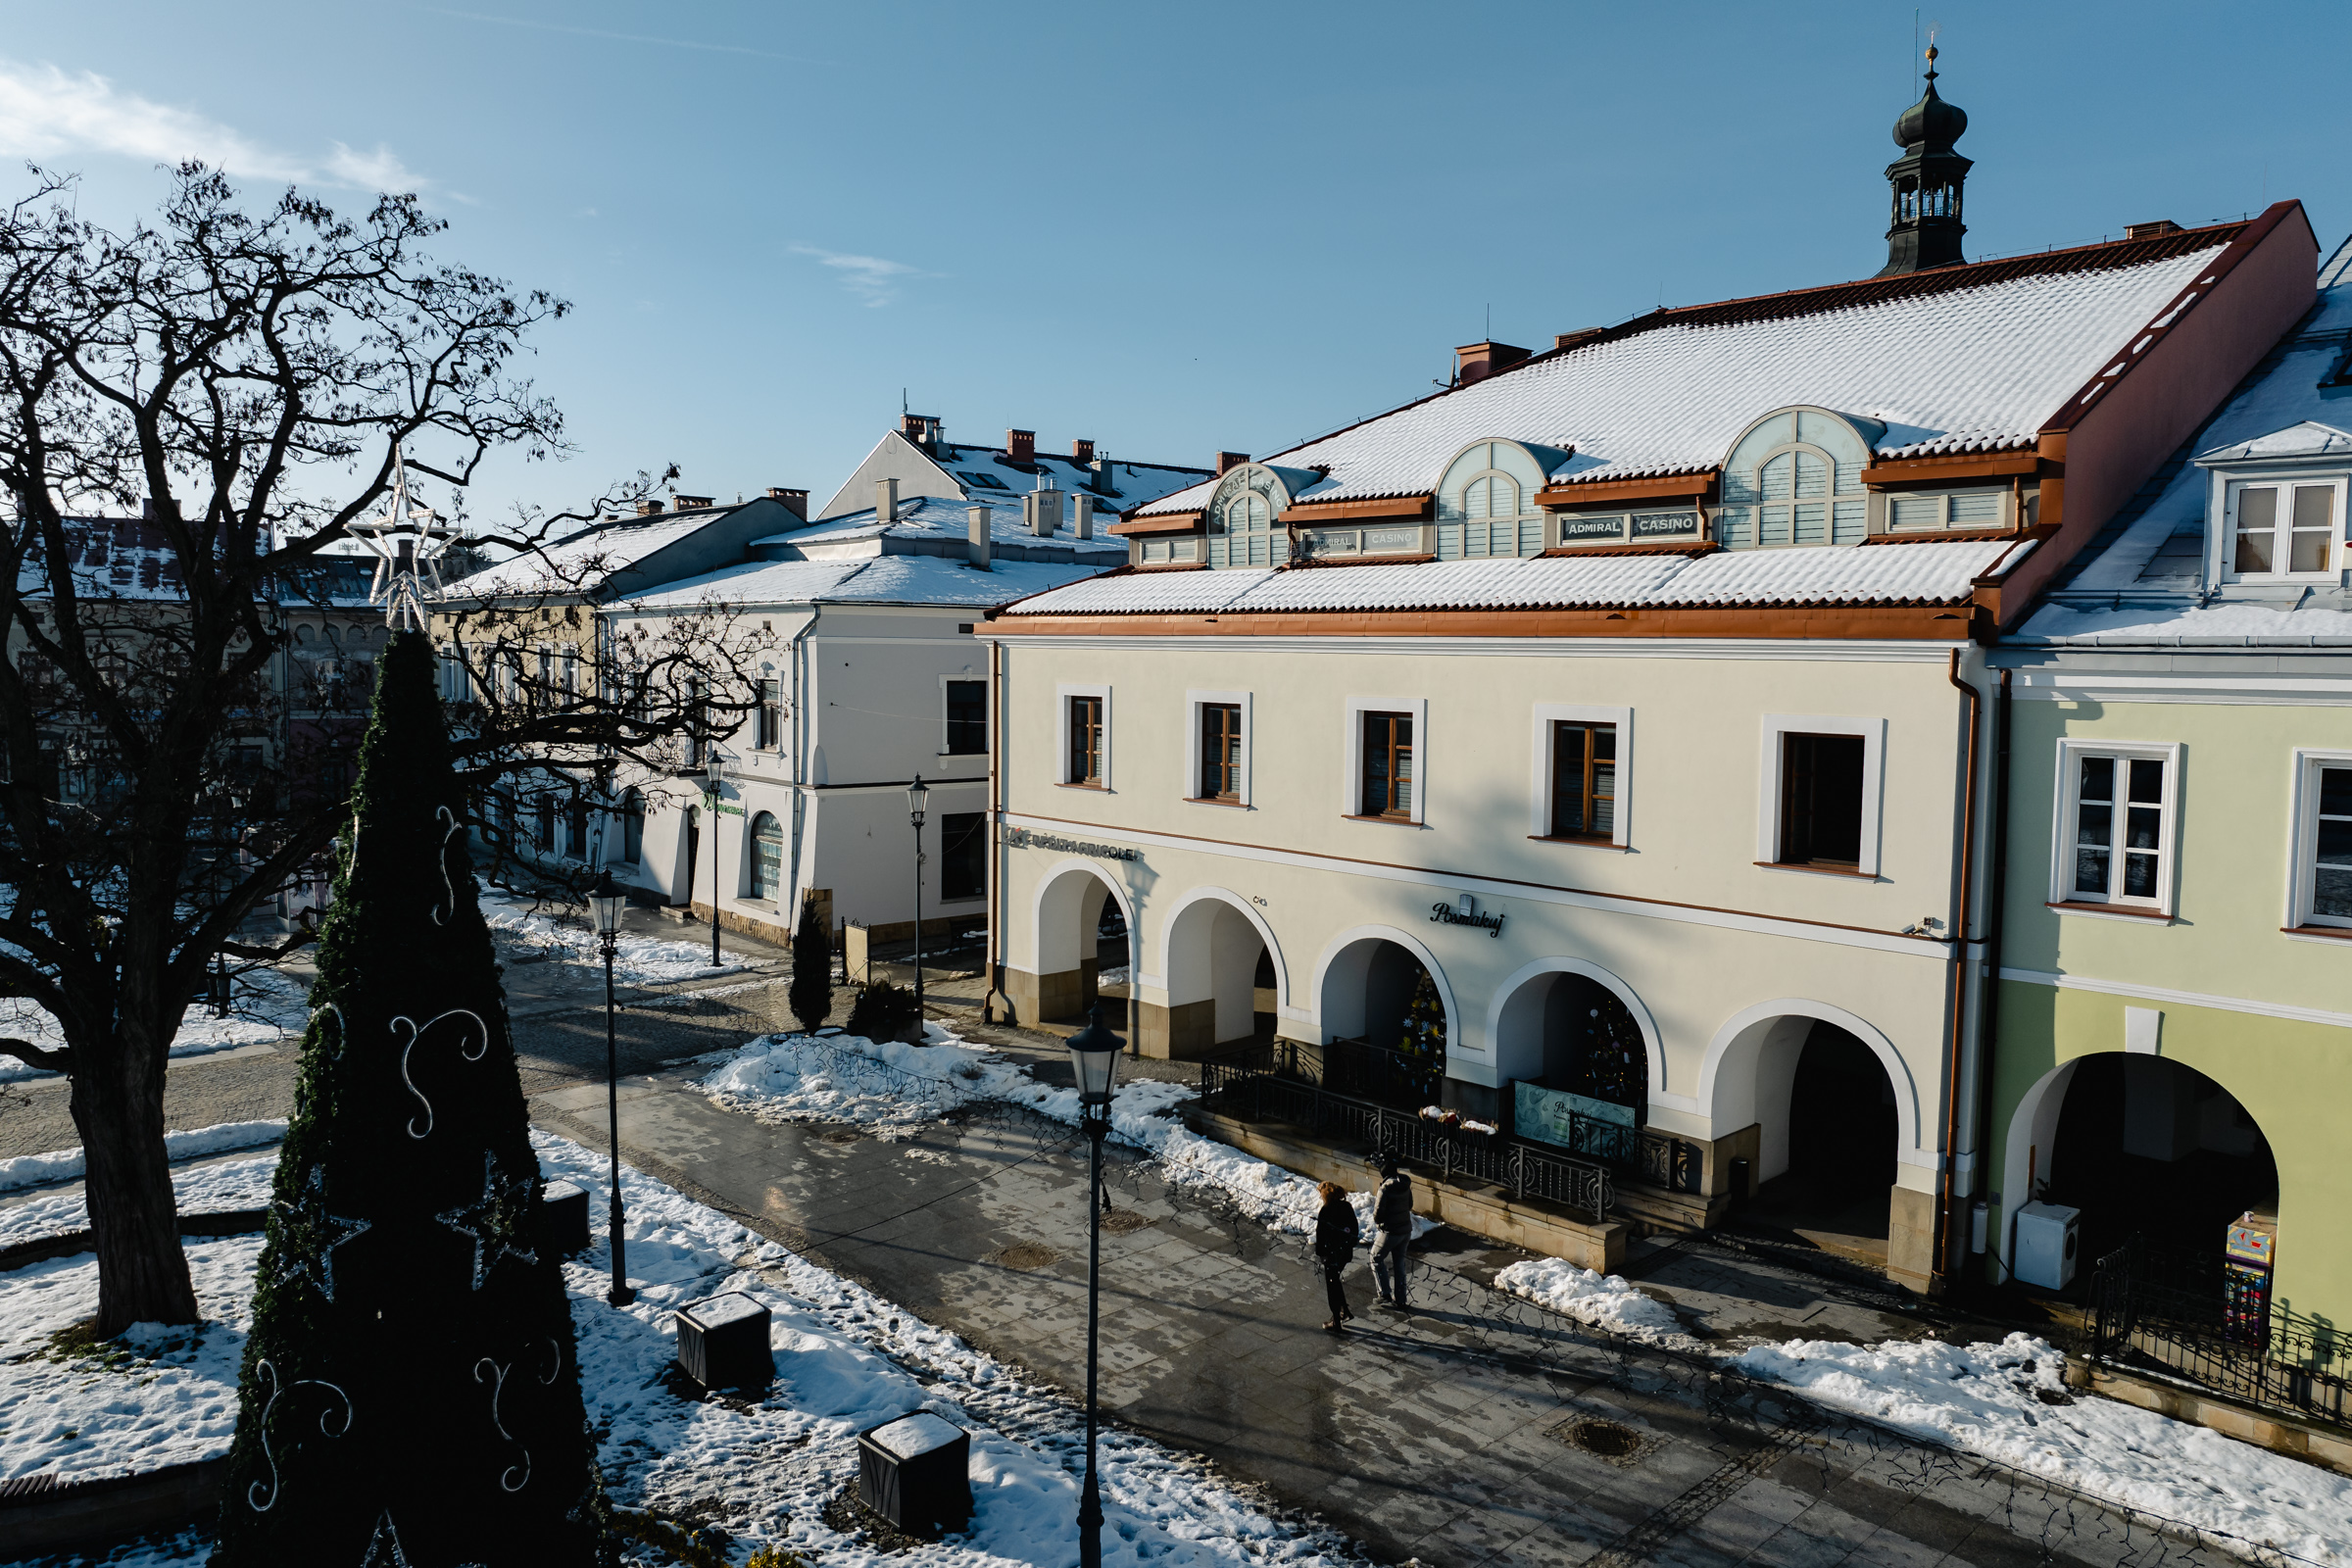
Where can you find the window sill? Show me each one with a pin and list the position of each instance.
(2112, 912)
(1099, 789)
(1853, 872)
(1578, 842)
(1212, 800)
(2315, 933)
(1384, 822)
(942, 756)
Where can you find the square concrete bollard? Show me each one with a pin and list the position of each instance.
(722, 1342)
(916, 1473)
(564, 1218)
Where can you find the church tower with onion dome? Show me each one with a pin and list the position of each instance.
(1926, 184)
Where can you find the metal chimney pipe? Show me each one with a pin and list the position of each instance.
(981, 519)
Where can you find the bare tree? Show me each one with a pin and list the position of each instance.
(238, 384)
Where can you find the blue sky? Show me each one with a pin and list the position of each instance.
(1171, 229)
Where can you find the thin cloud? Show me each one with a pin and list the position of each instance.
(626, 37)
(875, 279)
(46, 112)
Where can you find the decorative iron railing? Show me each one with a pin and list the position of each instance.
(1267, 1083)
(2173, 1311)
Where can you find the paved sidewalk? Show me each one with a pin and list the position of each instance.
(1448, 1436)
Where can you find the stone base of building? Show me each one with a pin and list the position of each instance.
(1911, 1238)
(1477, 1209)
(749, 925)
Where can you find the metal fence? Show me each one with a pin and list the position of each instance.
(1278, 1082)
(2173, 1311)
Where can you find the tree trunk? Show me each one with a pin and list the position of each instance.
(134, 1221)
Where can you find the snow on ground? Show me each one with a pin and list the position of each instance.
(2009, 1403)
(65, 1164)
(639, 960)
(266, 1005)
(218, 1188)
(846, 1360)
(1603, 1300)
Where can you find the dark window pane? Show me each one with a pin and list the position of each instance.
(2090, 871)
(2098, 779)
(2139, 876)
(2095, 823)
(2335, 791)
(2139, 826)
(2147, 780)
(2331, 893)
(963, 855)
(1821, 793)
(2336, 844)
(967, 717)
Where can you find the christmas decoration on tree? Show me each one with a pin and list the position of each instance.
(1421, 1041)
(811, 995)
(1611, 1064)
(411, 1391)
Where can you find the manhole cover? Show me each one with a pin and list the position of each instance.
(1027, 1255)
(1119, 1221)
(1612, 1441)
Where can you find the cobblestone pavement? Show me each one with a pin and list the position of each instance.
(1475, 1430)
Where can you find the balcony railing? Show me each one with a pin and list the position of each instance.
(1278, 1082)
(2176, 1312)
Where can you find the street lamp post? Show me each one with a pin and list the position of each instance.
(1094, 1063)
(715, 771)
(919, 796)
(606, 901)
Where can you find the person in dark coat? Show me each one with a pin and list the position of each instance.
(1391, 1230)
(1336, 1236)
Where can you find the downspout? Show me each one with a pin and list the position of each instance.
(1940, 1267)
(994, 1008)
(799, 657)
(1995, 888)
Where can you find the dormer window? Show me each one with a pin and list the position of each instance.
(1241, 520)
(1486, 503)
(1795, 478)
(2283, 529)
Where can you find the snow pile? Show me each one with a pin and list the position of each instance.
(2009, 1404)
(266, 1005)
(65, 1164)
(887, 1086)
(846, 1359)
(638, 961)
(1602, 1300)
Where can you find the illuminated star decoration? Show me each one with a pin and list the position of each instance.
(495, 1219)
(408, 541)
(383, 1548)
(308, 1236)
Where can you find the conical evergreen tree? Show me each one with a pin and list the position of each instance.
(410, 1394)
(812, 993)
(1422, 1039)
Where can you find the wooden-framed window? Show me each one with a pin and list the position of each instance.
(967, 717)
(2282, 528)
(1220, 752)
(1085, 765)
(2116, 820)
(1821, 801)
(1584, 780)
(771, 715)
(1387, 766)
(768, 858)
(2320, 887)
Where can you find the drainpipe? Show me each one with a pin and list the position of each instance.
(1946, 1217)
(994, 1007)
(1995, 888)
(799, 659)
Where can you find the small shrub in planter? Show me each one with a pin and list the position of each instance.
(884, 1011)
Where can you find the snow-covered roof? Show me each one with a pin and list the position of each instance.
(1911, 574)
(1962, 358)
(2141, 583)
(937, 517)
(991, 475)
(131, 558)
(576, 561)
(877, 581)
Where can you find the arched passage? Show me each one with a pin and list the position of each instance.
(1380, 990)
(2141, 1144)
(1581, 1044)
(1076, 905)
(1216, 956)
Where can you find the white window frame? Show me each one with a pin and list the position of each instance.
(2224, 508)
(1063, 693)
(981, 681)
(1351, 782)
(1194, 702)
(1540, 807)
(1873, 732)
(2303, 833)
(2063, 896)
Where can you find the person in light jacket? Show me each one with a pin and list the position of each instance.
(1391, 1230)
(1336, 1238)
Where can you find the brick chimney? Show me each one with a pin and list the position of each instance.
(1082, 453)
(680, 503)
(1021, 445)
(795, 501)
(649, 506)
(2162, 227)
(922, 429)
(1475, 361)
(1581, 336)
(1227, 462)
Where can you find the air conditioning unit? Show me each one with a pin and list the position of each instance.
(2049, 1239)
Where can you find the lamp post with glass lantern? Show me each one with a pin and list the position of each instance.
(919, 796)
(715, 772)
(1094, 1063)
(606, 901)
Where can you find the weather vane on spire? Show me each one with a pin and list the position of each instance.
(408, 541)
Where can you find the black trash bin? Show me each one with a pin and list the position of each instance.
(1739, 1184)
(916, 1473)
(722, 1342)
(564, 1218)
